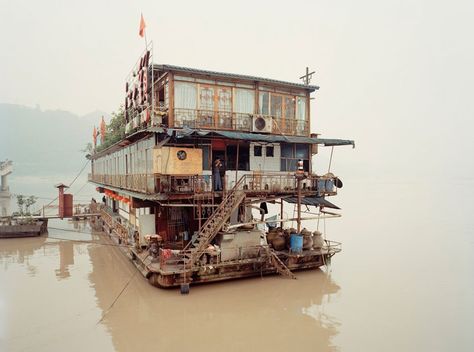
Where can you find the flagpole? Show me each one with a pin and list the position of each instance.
(146, 43)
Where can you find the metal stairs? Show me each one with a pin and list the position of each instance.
(280, 267)
(213, 224)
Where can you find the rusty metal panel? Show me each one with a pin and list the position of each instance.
(67, 210)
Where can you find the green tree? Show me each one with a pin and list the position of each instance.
(31, 200)
(20, 201)
(115, 130)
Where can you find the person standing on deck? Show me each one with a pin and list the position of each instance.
(217, 174)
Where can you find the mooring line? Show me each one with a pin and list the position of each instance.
(116, 298)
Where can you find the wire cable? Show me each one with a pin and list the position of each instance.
(77, 176)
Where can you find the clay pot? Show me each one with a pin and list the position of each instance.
(271, 236)
(308, 241)
(318, 241)
(278, 243)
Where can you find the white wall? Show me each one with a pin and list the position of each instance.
(264, 163)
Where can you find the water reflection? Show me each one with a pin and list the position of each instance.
(19, 251)
(66, 258)
(79, 275)
(260, 313)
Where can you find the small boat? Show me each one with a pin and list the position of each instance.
(13, 228)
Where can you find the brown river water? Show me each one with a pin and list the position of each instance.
(404, 282)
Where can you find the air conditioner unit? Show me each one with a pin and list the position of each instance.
(262, 123)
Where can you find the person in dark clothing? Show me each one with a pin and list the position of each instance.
(217, 174)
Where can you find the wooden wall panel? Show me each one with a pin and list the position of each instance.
(166, 161)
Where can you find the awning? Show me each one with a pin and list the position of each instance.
(315, 201)
(269, 138)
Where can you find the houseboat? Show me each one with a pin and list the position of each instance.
(206, 158)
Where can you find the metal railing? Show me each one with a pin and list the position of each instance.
(257, 182)
(227, 120)
(115, 226)
(144, 183)
(208, 119)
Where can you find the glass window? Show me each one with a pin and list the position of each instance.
(269, 150)
(244, 101)
(263, 100)
(257, 150)
(206, 164)
(290, 108)
(276, 106)
(206, 98)
(301, 109)
(302, 151)
(287, 150)
(224, 96)
(185, 95)
(291, 164)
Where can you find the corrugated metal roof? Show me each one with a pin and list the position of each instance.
(269, 138)
(166, 67)
(315, 201)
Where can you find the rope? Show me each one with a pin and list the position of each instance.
(75, 178)
(330, 159)
(118, 296)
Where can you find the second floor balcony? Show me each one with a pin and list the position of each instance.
(252, 183)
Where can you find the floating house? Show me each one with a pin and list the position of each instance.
(206, 158)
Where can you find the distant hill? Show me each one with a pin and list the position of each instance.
(44, 142)
(45, 147)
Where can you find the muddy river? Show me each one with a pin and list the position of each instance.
(404, 282)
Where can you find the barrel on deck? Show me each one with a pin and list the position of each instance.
(296, 243)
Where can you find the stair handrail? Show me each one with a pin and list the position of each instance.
(218, 209)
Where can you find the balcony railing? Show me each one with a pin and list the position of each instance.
(142, 183)
(226, 120)
(206, 119)
(257, 182)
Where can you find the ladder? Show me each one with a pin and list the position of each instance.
(214, 223)
(280, 267)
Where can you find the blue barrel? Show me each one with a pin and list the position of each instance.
(296, 243)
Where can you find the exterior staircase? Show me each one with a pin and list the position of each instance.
(214, 223)
(280, 267)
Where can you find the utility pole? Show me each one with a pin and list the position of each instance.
(307, 76)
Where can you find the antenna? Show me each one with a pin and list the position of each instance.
(307, 77)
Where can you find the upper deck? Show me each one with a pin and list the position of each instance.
(178, 97)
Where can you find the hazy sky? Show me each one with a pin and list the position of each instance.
(396, 76)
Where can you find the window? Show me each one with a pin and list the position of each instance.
(224, 99)
(185, 95)
(286, 150)
(269, 151)
(264, 98)
(301, 113)
(289, 108)
(302, 151)
(257, 150)
(206, 157)
(244, 101)
(276, 106)
(291, 153)
(206, 98)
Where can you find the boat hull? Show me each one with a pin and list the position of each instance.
(24, 230)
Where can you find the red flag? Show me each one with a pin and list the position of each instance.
(102, 130)
(94, 136)
(141, 32)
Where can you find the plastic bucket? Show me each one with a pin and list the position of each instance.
(296, 243)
